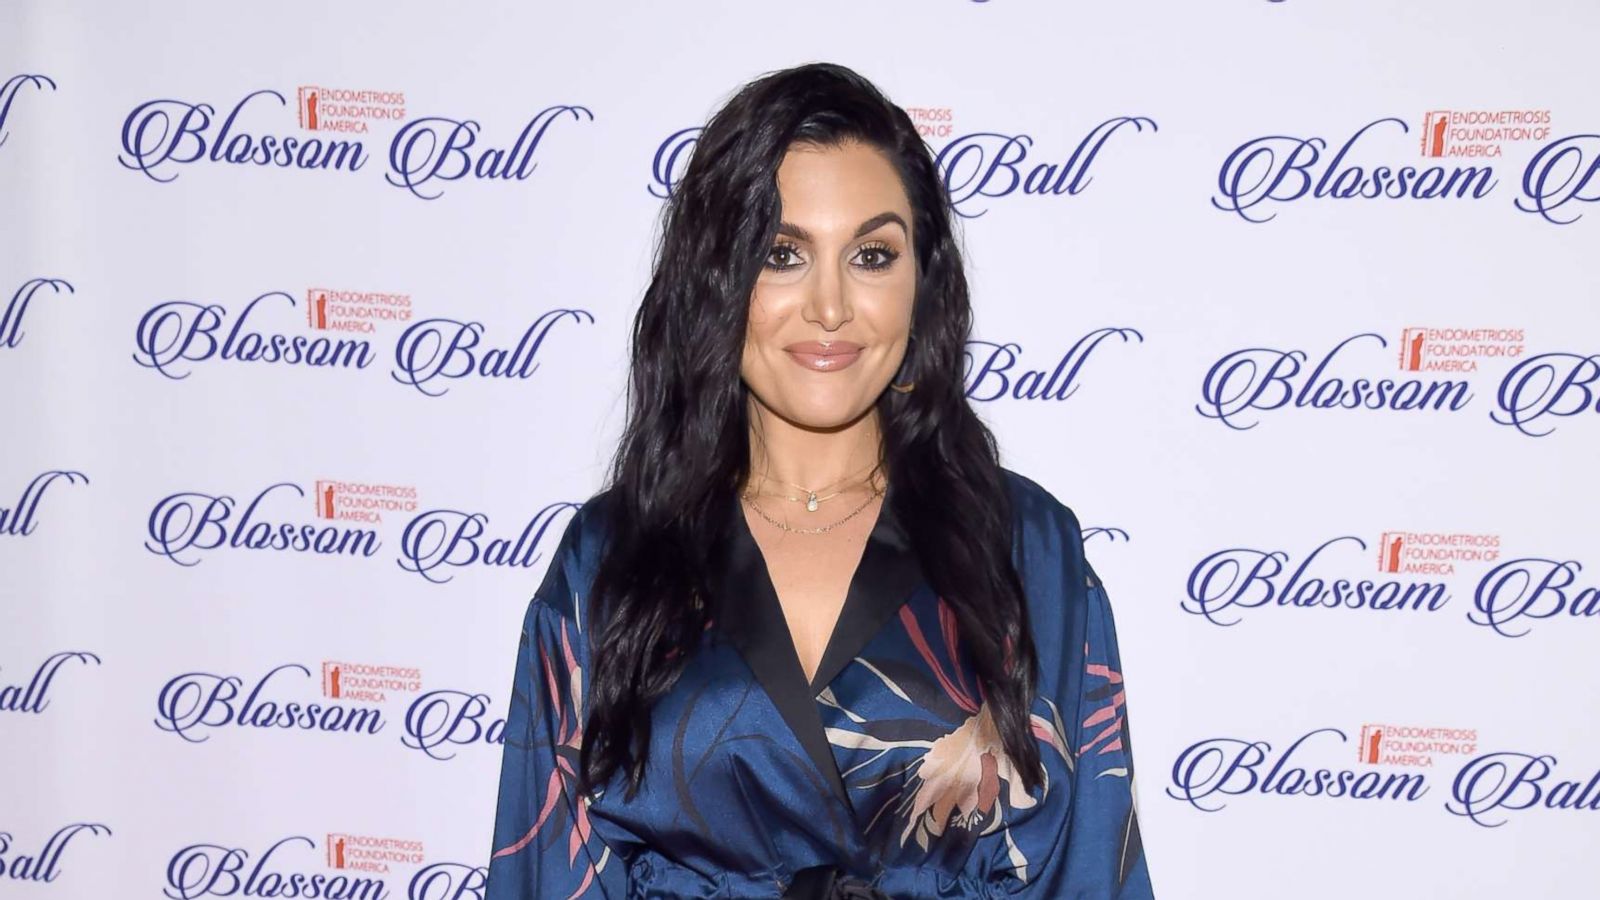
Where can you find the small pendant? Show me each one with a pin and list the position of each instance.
(811, 501)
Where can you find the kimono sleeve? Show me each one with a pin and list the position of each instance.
(545, 845)
(1082, 840)
(1104, 850)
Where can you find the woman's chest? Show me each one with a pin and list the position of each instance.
(892, 762)
(810, 576)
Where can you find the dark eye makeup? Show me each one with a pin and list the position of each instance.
(885, 255)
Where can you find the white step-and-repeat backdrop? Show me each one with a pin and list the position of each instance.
(312, 324)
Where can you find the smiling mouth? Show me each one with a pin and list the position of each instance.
(824, 356)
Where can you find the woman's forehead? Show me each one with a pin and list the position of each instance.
(830, 191)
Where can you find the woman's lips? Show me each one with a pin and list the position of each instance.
(820, 357)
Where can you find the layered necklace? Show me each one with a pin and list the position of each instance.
(812, 500)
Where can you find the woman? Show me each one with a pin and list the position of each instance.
(813, 640)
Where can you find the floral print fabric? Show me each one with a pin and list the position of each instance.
(889, 767)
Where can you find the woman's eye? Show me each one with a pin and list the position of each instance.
(781, 250)
(878, 257)
(783, 257)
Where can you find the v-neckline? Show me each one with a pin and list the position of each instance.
(751, 615)
(817, 680)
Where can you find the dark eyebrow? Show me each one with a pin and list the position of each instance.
(876, 221)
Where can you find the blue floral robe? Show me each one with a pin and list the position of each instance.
(887, 765)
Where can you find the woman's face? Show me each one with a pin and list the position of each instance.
(831, 310)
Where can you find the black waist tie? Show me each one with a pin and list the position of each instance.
(830, 883)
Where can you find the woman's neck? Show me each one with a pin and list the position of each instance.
(813, 459)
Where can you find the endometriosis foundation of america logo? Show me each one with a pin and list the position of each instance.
(1434, 553)
(366, 853)
(933, 122)
(1413, 745)
(355, 501)
(365, 683)
(329, 309)
(1481, 132)
(1457, 349)
(343, 109)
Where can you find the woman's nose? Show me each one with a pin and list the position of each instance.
(827, 297)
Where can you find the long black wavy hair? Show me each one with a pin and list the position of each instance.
(685, 447)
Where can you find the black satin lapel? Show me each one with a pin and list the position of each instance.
(749, 614)
(888, 573)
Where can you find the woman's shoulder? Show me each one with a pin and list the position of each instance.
(1061, 588)
(1040, 517)
(1048, 541)
(575, 557)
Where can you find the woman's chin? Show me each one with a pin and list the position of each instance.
(821, 413)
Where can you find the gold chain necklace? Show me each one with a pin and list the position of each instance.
(750, 499)
(811, 499)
